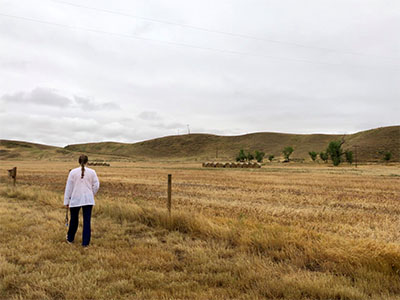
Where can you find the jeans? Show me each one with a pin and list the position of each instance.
(73, 224)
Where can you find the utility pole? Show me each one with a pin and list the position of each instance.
(188, 128)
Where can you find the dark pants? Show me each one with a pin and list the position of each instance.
(73, 224)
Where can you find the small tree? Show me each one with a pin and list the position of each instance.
(241, 156)
(271, 157)
(387, 156)
(313, 155)
(250, 156)
(335, 152)
(349, 156)
(287, 152)
(259, 156)
(324, 156)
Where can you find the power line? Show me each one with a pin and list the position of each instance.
(232, 34)
(233, 52)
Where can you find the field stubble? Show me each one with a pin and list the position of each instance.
(289, 232)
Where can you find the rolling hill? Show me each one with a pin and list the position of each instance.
(371, 145)
(24, 150)
(18, 150)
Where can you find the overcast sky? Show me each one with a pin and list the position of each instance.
(145, 69)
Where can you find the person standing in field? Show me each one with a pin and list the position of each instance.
(82, 185)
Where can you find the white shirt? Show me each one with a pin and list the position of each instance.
(80, 191)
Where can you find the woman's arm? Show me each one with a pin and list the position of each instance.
(95, 183)
(68, 190)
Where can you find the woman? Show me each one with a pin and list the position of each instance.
(82, 185)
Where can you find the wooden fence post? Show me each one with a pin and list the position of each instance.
(13, 174)
(169, 194)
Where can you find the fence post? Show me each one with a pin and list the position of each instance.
(169, 194)
(13, 174)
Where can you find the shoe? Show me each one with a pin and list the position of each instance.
(66, 238)
(85, 247)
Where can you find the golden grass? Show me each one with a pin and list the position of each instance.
(289, 232)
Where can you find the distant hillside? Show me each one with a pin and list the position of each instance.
(24, 150)
(371, 145)
(17, 150)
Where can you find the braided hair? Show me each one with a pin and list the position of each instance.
(83, 159)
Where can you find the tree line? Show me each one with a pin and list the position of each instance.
(258, 155)
(337, 155)
(334, 152)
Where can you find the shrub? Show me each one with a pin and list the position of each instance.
(387, 156)
(287, 152)
(271, 157)
(241, 156)
(335, 152)
(349, 156)
(324, 156)
(259, 156)
(250, 156)
(313, 155)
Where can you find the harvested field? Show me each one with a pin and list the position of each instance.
(279, 232)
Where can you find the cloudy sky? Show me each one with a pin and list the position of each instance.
(84, 71)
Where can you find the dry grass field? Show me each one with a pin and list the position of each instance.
(306, 231)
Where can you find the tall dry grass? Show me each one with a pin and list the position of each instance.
(232, 235)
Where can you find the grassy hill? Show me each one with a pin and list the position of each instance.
(17, 150)
(371, 145)
(24, 150)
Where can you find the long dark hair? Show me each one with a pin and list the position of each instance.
(83, 159)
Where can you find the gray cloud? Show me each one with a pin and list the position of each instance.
(51, 98)
(38, 96)
(67, 86)
(90, 105)
(149, 116)
(173, 125)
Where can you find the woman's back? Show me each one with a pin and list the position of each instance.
(80, 190)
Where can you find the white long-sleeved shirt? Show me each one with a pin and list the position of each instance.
(80, 191)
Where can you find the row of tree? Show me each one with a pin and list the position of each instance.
(334, 152)
(334, 155)
(258, 155)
